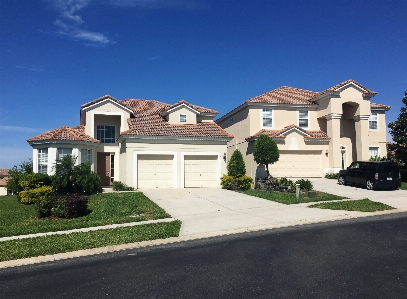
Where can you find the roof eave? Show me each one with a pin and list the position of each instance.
(196, 138)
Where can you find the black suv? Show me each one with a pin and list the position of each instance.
(373, 175)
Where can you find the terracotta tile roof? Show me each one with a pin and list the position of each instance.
(144, 107)
(99, 100)
(155, 125)
(65, 133)
(312, 134)
(3, 172)
(195, 107)
(375, 105)
(285, 95)
(3, 182)
(338, 87)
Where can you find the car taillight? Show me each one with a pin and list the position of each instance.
(376, 176)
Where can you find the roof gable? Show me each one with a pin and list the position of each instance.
(101, 101)
(346, 84)
(283, 133)
(285, 95)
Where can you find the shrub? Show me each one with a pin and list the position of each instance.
(236, 166)
(79, 179)
(265, 152)
(403, 173)
(305, 184)
(236, 183)
(332, 176)
(35, 195)
(34, 180)
(119, 186)
(62, 206)
(15, 174)
(286, 182)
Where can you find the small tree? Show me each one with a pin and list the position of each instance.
(15, 174)
(266, 152)
(236, 166)
(399, 133)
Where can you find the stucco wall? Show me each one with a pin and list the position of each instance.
(173, 116)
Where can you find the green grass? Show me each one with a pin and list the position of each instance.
(362, 205)
(403, 186)
(109, 208)
(24, 248)
(289, 198)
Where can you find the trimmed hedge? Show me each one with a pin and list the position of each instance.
(119, 186)
(34, 195)
(62, 206)
(236, 183)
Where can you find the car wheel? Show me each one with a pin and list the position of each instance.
(369, 185)
(342, 180)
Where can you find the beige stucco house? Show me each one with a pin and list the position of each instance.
(316, 132)
(143, 143)
(3, 181)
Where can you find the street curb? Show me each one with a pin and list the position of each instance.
(115, 248)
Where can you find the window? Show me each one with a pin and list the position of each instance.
(373, 151)
(303, 118)
(267, 115)
(112, 168)
(106, 134)
(182, 118)
(43, 160)
(62, 152)
(373, 121)
(86, 155)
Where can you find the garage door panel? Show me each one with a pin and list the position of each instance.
(155, 171)
(297, 164)
(201, 171)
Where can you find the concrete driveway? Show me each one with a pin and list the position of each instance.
(215, 211)
(394, 198)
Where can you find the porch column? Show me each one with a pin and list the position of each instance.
(334, 148)
(362, 139)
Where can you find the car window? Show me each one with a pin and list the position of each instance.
(354, 165)
(388, 167)
(363, 166)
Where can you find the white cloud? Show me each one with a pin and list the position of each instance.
(18, 129)
(30, 68)
(185, 4)
(71, 24)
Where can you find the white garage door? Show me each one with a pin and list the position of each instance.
(298, 164)
(155, 171)
(201, 171)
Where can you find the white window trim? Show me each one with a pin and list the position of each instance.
(298, 119)
(377, 122)
(272, 119)
(379, 154)
(181, 116)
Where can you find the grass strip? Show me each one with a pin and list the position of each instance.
(403, 186)
(17, 249)
(362, 205)
(107, 208)
(290, 198)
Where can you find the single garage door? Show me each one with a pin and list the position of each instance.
(298, 164)
(201, 171)
(155, 171)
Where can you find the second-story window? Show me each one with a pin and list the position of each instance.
(106, 134)
(303, 118)
(267, 115)
(42, 160)
(182, 118)
(373, 121)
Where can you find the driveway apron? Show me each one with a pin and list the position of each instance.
(215, 210)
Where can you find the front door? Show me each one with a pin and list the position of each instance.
(103, 168)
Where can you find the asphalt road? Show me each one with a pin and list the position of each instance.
(360, 258)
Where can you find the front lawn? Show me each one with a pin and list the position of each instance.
(403, 186)
(108, 208)
(362, 205)
(289, 198)
(46, 245)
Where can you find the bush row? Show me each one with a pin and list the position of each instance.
(119, 186)
(62, 206)
(332, 176)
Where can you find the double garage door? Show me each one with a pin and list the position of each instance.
(158, 171)
(299, 164)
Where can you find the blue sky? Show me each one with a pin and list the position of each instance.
(58, 54)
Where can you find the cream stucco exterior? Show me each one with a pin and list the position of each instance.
(119, 158)
(343, 115)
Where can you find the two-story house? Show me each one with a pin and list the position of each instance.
(316, 132)
(143, 143)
